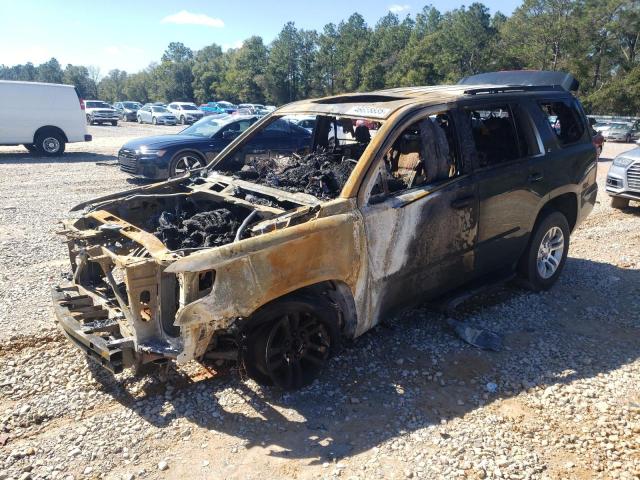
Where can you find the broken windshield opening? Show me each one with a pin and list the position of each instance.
(312, 154)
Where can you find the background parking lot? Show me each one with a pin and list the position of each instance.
(407, 399)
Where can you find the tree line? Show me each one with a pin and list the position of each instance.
(596, 40)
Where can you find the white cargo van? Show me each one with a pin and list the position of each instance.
(41, 116)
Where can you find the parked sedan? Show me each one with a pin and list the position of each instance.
(212, 108)
(619, 132)
(156, 115)
(165, 156)
(127, 111)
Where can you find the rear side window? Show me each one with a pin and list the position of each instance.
(564, 119)
(494, 133)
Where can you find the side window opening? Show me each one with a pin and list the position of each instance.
(423, 154)
(494, 134)
(565, 121)
(527, 132)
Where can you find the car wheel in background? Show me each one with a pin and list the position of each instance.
(619, 202)
(139, 119)
(544, 259)
(30, 146)
(598, 152)
(183, 121)
(89, 121)
(114, 123)
(184, 162)
(154, 120)
(50, 143)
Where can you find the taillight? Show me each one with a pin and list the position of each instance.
(81, 104)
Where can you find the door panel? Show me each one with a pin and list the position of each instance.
(420, 243)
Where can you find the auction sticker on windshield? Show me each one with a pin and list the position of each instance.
(367, 111)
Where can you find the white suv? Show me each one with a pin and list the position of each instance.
(185, 112)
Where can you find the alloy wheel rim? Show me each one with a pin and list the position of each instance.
(297, 347)
(51, 145)
(550, 252)
(187, 163)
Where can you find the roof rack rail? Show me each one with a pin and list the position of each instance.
(513, 88)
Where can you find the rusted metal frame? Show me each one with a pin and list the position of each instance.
(155, 247)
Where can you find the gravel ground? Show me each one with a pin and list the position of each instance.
(406, 400)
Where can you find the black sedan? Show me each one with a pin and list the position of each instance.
(165, 156)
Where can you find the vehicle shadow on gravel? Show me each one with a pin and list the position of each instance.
(414, 373)
(68, 157)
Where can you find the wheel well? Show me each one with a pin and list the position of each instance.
(567, 204)
(47, 129)
(195, 152)
(339, 294)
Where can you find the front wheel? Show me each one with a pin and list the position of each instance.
(619, 202)
(139, 119)
(183, 121)
(114, 123)
(290, 342)
(50, 144)
(185, 162)
(546, 254)
(154, 120)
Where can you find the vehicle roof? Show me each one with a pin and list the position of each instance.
(381, 104)
(19, 82)
(183, 103)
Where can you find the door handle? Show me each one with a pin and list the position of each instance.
(460, 203)
(536, 177)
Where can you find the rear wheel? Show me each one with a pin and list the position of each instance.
(546, 254)
(154, 120)
(139, 119)
(50, 143)
(183, 121)
(185, 162)
(89, 121)
(291, 342)
(114, 123)
(619, 202)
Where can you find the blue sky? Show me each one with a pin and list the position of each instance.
(131, 34)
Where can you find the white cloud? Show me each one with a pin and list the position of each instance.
(397, 8)
(187, 18)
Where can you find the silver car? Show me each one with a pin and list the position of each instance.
(156, 115)
(619, 132)
(623, 179)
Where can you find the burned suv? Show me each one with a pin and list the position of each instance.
(272, 258)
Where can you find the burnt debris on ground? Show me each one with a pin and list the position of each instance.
(185, 229)
(321, 174)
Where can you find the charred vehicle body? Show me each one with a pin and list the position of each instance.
(271, 259)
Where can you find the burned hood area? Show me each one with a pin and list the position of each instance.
(249, 193)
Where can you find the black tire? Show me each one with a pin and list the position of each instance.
(89, 121)
(154, 120)
(290, 340)
(114, 123)
(528, 268)
(139, 119)
(193, 156)
(619, 202)
(183, 120)
(31, 147)
(50, 143)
